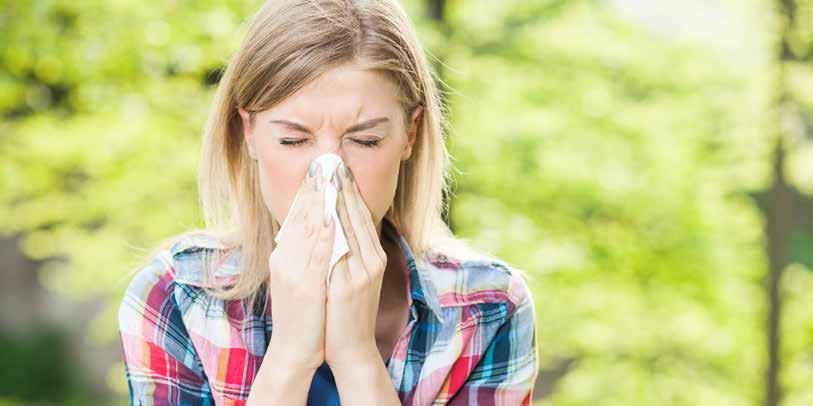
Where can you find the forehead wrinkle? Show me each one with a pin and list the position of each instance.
(343, 103)
(359, 125)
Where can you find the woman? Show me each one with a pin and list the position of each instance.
(410, 315)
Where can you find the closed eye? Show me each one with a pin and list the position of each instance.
(367, 143)
(362, 143)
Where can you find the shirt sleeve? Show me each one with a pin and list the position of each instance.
(507, 370)
(160, 362)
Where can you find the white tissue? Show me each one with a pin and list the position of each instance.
(329, 163)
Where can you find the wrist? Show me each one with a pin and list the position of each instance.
(281, 380)
(281, 357)
(353, 358)
(360, 376)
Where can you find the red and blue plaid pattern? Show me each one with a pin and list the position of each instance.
(470, 337)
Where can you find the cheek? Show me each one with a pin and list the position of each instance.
(280, 179)
(377, 180)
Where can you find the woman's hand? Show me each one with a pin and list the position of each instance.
(298, 267)
(355, 285)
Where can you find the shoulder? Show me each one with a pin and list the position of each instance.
(193, 259)
(204, 260)
(464, 277)
(157, 347)
(171, 278)
(148, 288)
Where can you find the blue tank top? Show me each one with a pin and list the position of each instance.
(323, 387)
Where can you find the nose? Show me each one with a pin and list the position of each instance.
(329, 144)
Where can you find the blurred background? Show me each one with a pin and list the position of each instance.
(650, 163)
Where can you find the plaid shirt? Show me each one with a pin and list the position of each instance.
(469, 340)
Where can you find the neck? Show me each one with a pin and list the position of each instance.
(393, 286)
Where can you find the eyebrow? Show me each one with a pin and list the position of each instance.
(364, 125)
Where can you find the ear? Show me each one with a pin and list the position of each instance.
(246, 119)
(412, 133)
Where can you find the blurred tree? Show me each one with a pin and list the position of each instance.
(787, 211)
(612, 160)
(102, 104)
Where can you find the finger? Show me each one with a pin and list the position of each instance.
(364, 211)
(315, 217)
(293, 216)
(344, 217)
(295, 232)
(297, 206)
(320, 257)
(299, 212)
(359, 214)
(341, 272)
(354, 267)
(356, 210)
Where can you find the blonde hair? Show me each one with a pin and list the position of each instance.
(288, 44)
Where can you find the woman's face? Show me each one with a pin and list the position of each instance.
(347, 111)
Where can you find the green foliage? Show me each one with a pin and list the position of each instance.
(37, 367)
(103, 104)
(615, 164)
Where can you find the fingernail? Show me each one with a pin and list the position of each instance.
(312, 169)
(347, 174)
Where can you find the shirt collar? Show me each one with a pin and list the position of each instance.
(419, 284)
